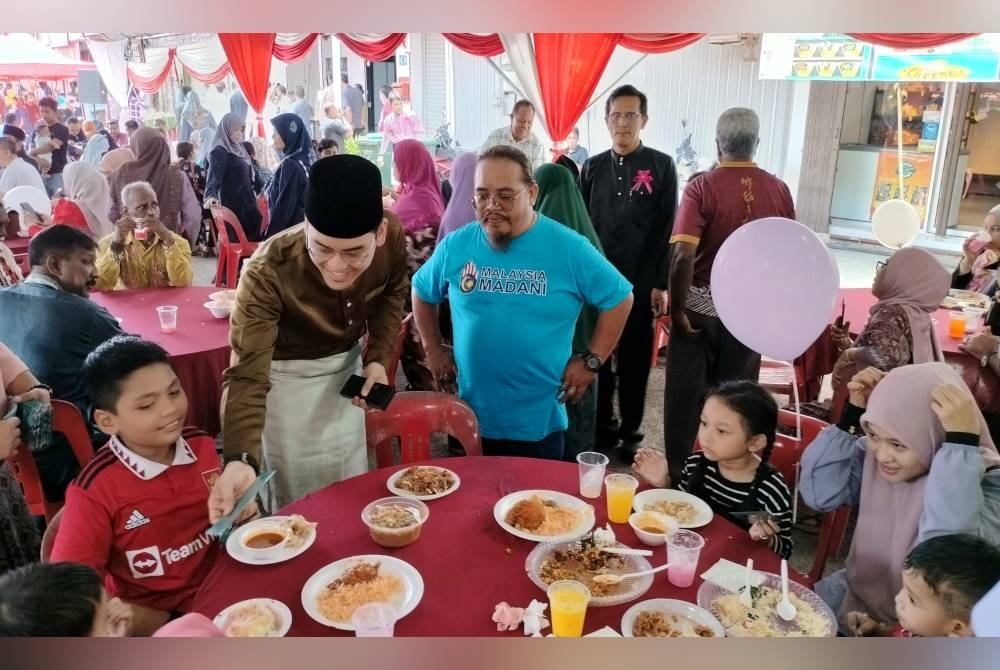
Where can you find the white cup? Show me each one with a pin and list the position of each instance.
(592, 467)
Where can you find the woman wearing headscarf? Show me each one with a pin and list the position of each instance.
(192, 107)
(913, 454)
(99, 142)
(419, 207)
(463, 181)
(286, 192)
(87, 200)
(230, 177)
(180, 211)
(559, 199)
(114, 159)
(980, 256)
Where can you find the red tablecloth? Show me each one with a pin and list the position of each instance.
(199, 350)
(468, 563)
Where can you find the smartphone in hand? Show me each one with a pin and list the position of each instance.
(755, 516)
(378, 397)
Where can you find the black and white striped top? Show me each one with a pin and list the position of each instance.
(725, 496)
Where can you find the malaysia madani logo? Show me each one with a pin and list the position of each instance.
(468, 283)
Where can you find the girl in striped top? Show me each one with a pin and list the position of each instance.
(731, 472)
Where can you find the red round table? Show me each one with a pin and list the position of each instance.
(199, 350)
(467, 561)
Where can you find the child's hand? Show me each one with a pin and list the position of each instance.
(651, 465)
(119, 618)
(764, 530)
(955, 409)
(10, 436)
(861, 624)
(862, 385)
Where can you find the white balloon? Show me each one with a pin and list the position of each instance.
(896, 223)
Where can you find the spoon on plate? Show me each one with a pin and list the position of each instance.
(611, 580)
(786, 610)
(745, 598)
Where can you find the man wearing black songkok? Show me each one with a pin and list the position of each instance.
(11, 130)
(305, 300)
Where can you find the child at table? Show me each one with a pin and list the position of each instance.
(138, 512)
(68, 600)
(918, 463)
(943, 578)
(731, 471)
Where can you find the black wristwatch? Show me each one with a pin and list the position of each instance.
(592, 362)
(41, 386)
(243, 457)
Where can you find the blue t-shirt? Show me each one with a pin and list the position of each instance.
(513, 315)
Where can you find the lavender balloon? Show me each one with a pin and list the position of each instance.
(774, 284)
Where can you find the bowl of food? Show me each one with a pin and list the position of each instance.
(258, 617)
(652, 527)
(395, 521)
(223, 296)
(266, 540)
(220, 310)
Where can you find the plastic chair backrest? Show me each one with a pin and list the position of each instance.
(831, 537)
(225, 218)
(265, 214)
(412, 416)
(49, 538)
(787, 449)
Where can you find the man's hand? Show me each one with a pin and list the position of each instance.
(681, 325)
(441, 363)
(660, 301)
(374, 373)
(861, 386)
(233, 483)
(981, 344)
(955, 409)
(157, 227)
(40, 394)
(208, 202)
(576, 379)
(10, 436)
(123, 227)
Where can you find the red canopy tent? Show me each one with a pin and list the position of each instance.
(24, 57)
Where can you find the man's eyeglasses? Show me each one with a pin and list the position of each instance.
(879, 266)
(351, 256)
(504, 200)
(629, 117)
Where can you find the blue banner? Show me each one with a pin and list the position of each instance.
(967, 66)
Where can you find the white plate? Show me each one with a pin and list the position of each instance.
(234, 545)
(504, 505)
(650, 496)
(629, 591)
(699, 615)
(394, 477)
(276, 606)
(412, 581)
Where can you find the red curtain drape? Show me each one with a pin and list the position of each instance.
(374, 51)
(249, 56)
(569, 67)
(153, 84)
(911, 40)
(658, 43)
(477, 45)
(289, 53)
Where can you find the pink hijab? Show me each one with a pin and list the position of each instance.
(914, 280)
(889, 514)
(420, 204)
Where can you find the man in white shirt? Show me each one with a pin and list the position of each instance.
(518, 134)
(16, 172)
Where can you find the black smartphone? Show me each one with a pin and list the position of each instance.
(25, 207)
(378, 397)
(843, 309)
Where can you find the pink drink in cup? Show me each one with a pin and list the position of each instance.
(683, 551)
(979, 241)
(168, 318)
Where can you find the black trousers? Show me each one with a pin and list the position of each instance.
(631, 373)
(693, 367)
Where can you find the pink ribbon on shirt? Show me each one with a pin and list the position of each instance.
(643, 178)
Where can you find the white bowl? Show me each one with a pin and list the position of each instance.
(220, 310)
(223, 296)
(652, 539)
(270, 551)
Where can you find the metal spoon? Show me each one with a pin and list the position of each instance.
(611, 580)
(745, 598)
(786, 610)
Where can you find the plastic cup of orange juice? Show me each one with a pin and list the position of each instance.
(956, 325)
(568, 607)
(620, 490)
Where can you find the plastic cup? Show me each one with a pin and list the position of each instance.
(592, 467)
(374, 620)
(168, 318)
(683, 551)
(956, 325)
(141, 234)
(972, 316)
(620, 491)
(568, 607)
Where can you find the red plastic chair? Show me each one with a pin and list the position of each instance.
(780, 377)
(661, 336)
(265, 214)
(49, 538)
(230, 253)
(66, 419)
(412, 416)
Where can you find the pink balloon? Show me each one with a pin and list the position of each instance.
(774, 284)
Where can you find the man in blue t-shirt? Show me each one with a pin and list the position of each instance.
(515, 285)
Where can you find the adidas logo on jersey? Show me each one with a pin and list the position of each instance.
(135, 520)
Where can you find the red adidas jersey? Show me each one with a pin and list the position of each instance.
(143, 524)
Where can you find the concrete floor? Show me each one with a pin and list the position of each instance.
(857, 269)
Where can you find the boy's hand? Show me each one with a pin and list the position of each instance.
(10, 436)
(651, 466)
(233, 483)
(861, 624)
(119, 618)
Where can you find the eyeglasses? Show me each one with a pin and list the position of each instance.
(879, 266)
(628, 117)
(503, 200)
(354, 257)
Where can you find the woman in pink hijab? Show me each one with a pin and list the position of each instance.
(912, 452)
(419, 206)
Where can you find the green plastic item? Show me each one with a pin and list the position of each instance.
(369, 146)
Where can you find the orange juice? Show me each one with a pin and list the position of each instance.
(956, 325)
(620, 490)
(568, 607)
